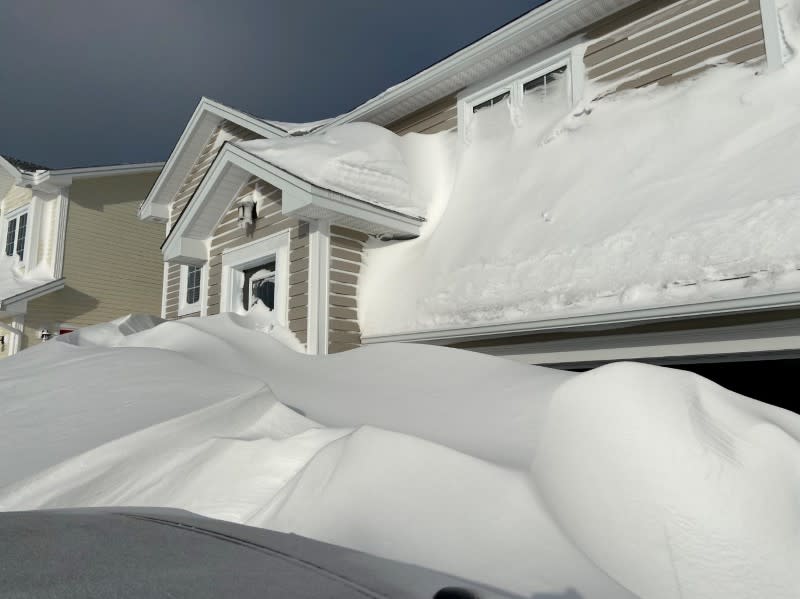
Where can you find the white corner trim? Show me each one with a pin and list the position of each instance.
(62, 208)
(318, 279)
(773, 39)
(15, 342)
(34, 229)
(236, 260)
(164, 283)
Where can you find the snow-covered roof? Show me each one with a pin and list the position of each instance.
(17, 285)
(656, 197)
(360, 160)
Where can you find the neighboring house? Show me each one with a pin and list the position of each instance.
(303, 251)
(74, 251)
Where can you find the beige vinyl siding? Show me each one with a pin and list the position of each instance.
(17, 197)
(666, 41)
(226, 131)
(270, 220)
(6, 182)
(433, 118)
(112, 260)
(347, 248)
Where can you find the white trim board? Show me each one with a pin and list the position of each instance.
(597, 321)
(236, 260)
(781, 338)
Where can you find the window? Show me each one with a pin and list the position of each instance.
(259, 285)
(193, 284)
(545, 85)
(555, 83)
(492, 101)
(190, 289)
(15, 235)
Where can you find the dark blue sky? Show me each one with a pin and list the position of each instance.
(87, 82)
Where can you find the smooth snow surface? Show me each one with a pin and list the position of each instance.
(653, 197)
(14, 280)
(626, 481)
(363, 161)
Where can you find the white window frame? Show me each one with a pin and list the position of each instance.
(15, 214)
(236, 260)
(185, 308)
(513, 80)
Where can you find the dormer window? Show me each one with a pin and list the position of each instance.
(16, 232)
(549, 82)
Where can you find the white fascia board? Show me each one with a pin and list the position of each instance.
(211, 113)
(111, 170)
(11, 169)
(599, 321)
(473, 63)
(43, 289)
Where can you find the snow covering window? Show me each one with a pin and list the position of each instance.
(259, 285)
(193, 284)
(545, 85)
(15, 235)
(492, 101)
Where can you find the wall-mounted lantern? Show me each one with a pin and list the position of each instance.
(247, 209)
(44, 335)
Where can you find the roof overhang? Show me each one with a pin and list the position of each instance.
(535, 31)
(595, 322)
(206, 117)
(188, 241)
(7, 303)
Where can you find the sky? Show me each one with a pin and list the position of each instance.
(91, 82)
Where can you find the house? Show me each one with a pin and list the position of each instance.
(252, 208)
(74, 251)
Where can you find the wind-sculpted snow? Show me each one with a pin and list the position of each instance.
(625, 481)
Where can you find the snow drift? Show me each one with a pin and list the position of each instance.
(15, 280)
(626, 481)
(651, 197)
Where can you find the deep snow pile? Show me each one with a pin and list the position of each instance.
(363, 161)
(626, 481)
(14, 280)
(659, 196)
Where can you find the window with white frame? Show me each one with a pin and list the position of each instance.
(533, 88)
(16, 232)
(191, 285)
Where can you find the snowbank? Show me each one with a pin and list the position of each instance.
(659, 196)
(14, 280)
(360, 160)
(626, 481)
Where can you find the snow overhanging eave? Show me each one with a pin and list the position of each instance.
(205, 118)
(596, 321)
(187, 242)
(43, 289)
(540, 28)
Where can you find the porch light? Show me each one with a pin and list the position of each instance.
(246, 208)
(44, 335)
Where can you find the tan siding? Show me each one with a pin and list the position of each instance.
(438, 116)
(270, 221)
(16, 197)
(112, 260)
(664, 41)
(346, 253)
